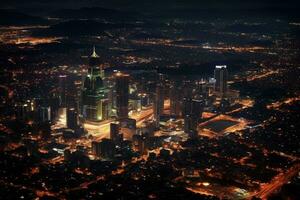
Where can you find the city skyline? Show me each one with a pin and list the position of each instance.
(149, 100)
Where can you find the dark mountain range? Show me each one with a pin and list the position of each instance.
(95, 13)
(13, 17)
(80, 28)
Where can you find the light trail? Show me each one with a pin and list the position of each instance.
(262, 75)
(277, 182)
(278, 104)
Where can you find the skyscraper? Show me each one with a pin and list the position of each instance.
(192, 111)
(107, 148)
(175, 99)
(221, 76)
(114, 131)
(94, 94)
(115, 134)
(122, 94)
(62, 90)
(72, 118)
(139, 144)
(158, 106)
(44, 113)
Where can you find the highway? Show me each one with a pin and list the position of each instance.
(276, 183)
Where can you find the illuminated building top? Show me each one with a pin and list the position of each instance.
(94, 54)
(221, 66)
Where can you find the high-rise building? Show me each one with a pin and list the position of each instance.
(72, 118)
(54, 105)
(94, 102)
(111, 98)
(22, 111)
(175, 99)
(221, 76)
(158, 106)
(192, 110)
(186, 106)
(105, 108)
(122, 94)
(114, 131)
(139, 144)
(202, 88)
(187, 90)
(96, 148)
(44, 113)
(107, 148)
(115, 134)
(62, 90)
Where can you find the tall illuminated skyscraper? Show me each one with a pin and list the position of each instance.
(122, 94)
(221, 76)
(94, 94)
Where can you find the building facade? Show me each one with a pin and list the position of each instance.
(94, 95)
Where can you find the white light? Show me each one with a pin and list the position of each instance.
(220, 66)
(206, 184)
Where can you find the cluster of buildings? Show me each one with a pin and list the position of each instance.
(99, 100)
(112, 101)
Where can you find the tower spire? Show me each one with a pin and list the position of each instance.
(94, 54)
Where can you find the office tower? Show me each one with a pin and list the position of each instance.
(115, 134)
(96, 148)
(202, 89)
(54, 105)
(62, 90)
(114, 131)
(186, 106)
(122, 94)
(44, 109)
(221, 76)
(161, 93)
(107, 148)
(105, 108)
(192, 111)
(22, 111)
(187, 90)
(111, 98)
(158, 106)
(175, 99)
(72, 118)
(44, 113)
(139, 144)
(94, 96)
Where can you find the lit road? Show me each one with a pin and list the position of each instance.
(264, 74)
(287, 101)
(277, 182)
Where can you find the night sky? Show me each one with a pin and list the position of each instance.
(152, 5)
